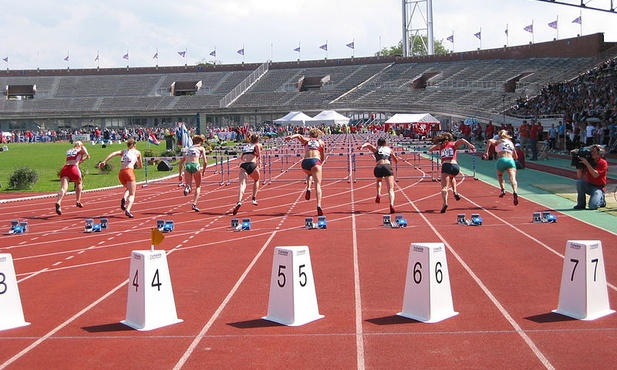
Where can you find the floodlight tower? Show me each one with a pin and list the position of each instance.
(418, 23)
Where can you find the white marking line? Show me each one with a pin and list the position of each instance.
(222, 306)
(357, 292)
(488, 293)
(60, 327)
(57, 264)
(33, 275)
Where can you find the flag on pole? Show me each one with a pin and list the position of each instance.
(97, 57)
(350, 45)
(156, 236)
(182, 53)
(553, 24)
(478, 35)
(324, 47)
(297, 49)
(450, 38)
(6, 59)
(156, 55)
(152, 139)
(125, 56)
(529, 28)
(241, 51)
(578, 20)
(213, 53)
(67, 58)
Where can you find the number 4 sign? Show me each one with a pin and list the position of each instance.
(293, 301)
(583, 293)
(150, 303)
(11, 313)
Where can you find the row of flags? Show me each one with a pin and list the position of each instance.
(350, 45)
(529, 28)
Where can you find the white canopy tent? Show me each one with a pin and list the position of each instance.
(421, 123)
(294, 118)
(330, 118)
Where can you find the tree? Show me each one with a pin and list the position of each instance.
(417, 49)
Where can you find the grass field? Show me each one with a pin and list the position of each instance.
(48, 158)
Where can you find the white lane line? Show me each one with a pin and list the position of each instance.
(222, 306)
(60, 327)
(357, 291)
(488, 293)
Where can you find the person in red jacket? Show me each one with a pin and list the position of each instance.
(591, 179)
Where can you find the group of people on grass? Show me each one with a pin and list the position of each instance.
(592, 176)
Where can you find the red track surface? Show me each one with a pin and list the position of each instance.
(505, 278)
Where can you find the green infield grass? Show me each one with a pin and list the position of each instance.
(48, 158)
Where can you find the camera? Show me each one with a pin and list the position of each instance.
(584, 152)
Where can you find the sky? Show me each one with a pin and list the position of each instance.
(51, 34)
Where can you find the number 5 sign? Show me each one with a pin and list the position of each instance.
(583, 294)
(293, 301)
(427, 295)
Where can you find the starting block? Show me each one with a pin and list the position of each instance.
(399, 221)
(322, 223)
(18, 227)
(91, 227)
(476, 220)
(165, 226)
(246, 224)
(234, 222)
(544, 217)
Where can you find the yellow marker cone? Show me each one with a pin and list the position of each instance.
(157, 237)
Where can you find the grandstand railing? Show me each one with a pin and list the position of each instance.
(244, 85)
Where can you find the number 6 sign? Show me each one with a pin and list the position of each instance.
(427, 295)
(293, 301)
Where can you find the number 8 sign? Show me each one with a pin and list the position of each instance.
(11, 313)
(293, 300)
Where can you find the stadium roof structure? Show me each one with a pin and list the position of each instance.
(479, 83)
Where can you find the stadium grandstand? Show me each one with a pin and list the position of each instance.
(484, 83)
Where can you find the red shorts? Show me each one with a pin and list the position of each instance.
(126, 175)
(72, 172)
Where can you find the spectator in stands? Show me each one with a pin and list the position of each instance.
(447, 148)
(130, 158)
(71, 173)
(591, 179)
(489, 131)
(612, 135)
(552, 137)
(193, 169)
(384, 156)
(505, 162)
(314, 155)
(535, 134)
(524, 131)
(590, 133)
(249, 168)
(520, 162)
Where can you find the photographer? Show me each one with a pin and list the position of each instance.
(591, 173)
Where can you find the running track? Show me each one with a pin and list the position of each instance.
(505, 278)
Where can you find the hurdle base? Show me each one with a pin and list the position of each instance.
(430, 320)
(14, 326)
(595, 315)
(293, 323)
(150, 327)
